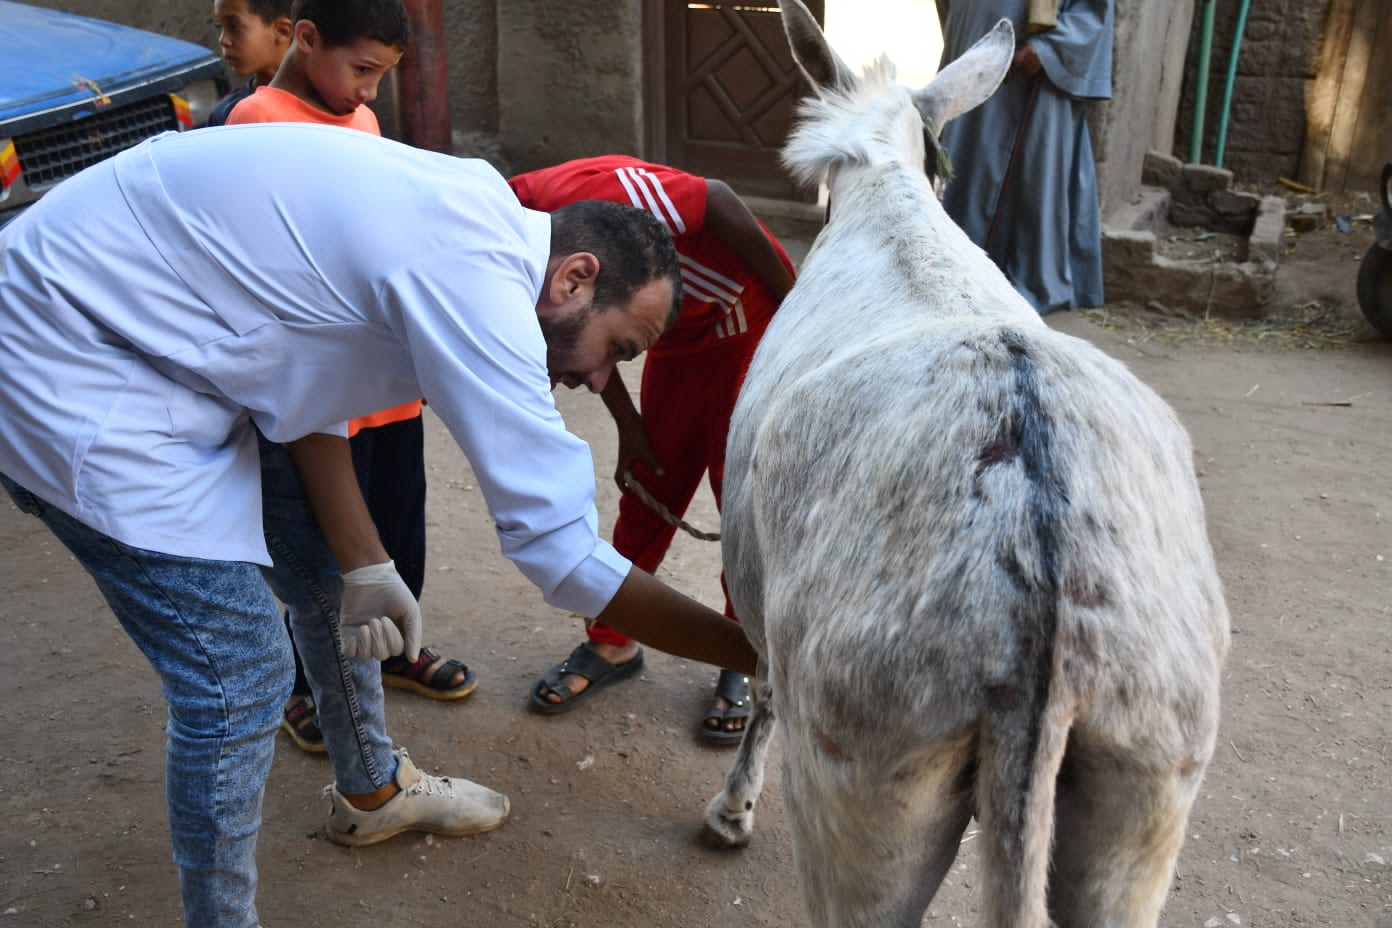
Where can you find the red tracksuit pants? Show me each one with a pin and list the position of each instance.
(686, 399)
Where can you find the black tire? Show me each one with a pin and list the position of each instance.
(1375, 289)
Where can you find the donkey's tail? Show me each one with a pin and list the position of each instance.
(1028, 710)
(1022, 748)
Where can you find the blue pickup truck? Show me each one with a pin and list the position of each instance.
(75, 90)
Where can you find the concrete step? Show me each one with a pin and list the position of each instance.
(1148, 211)
(1138, 267)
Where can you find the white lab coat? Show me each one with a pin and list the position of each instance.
(155, 306)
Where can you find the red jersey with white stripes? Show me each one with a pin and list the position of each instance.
(720, 292)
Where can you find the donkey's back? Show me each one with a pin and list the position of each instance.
(971, 553)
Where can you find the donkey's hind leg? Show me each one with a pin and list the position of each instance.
(730, 815)
(873, 839)
(1119, 826)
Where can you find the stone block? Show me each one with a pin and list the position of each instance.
(1229, 291)
(1234, 204)
(1233, 211)
(1134, 272)
(1148, 211)
(1161, 170)
(1126, 248)
(1186, 215)
(1202, 179)
(1264, 244)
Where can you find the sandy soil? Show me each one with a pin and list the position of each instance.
(1290, 421)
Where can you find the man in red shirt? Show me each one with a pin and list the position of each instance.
(734, 276)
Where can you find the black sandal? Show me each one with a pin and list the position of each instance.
(734, 689)
(585, 662)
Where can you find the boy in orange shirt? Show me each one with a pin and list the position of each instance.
(339, 51)
(253, 36)
(338, 55)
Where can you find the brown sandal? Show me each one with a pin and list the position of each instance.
(300, 720)
(399, 673)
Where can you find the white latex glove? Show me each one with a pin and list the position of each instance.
(375, 602)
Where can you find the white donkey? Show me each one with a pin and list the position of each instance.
(970, 551)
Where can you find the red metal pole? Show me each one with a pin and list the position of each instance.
(422, 79)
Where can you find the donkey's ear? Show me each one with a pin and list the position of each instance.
(968, 81)
(814, 57)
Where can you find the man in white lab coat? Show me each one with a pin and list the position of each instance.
(175, 347)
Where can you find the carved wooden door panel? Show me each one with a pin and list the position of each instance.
(729, 93)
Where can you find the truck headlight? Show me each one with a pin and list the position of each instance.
(200, 96)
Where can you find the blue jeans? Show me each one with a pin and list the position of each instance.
(352, 711)
(389, 461)
(213, 634)
(215, 637)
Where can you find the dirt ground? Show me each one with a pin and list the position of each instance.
(1290, 421)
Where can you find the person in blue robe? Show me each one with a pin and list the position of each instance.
(1024, 184)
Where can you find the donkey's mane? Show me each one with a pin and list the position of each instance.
(852, 124)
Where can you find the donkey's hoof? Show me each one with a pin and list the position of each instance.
(724, 837)
(727, 829)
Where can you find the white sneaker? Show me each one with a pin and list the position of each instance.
(440, 805)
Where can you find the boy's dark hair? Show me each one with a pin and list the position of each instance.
(633, 247)
(268, 11)
(343, 21)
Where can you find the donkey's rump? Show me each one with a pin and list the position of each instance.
(982, 508)
(918, 439)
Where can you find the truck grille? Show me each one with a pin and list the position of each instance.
(50, 155)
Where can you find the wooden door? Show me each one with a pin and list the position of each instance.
(1348, 134)
(722, 92)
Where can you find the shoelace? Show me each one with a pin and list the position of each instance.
(431, 786)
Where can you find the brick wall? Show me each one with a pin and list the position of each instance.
(1276, 64)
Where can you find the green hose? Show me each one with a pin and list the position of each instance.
(1228, 83)
(1201, 85)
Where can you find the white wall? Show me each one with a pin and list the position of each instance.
(906, 30)
(1150, 41)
